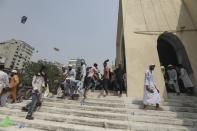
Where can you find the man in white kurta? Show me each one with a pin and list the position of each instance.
(70, 81)
(83, 71)
(186, 80)
(151, 93)
(173, 82)
(4, 83)
(4, 79)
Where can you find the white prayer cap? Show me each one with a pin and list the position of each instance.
(70, 65)
(152, 65)
(14, 71)
(170, 65)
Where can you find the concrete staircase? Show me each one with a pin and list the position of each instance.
(106, 114)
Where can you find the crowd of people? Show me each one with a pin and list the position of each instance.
(82, 79)
(177, 79)
(174, 78)
(78, 81)
(8, 85)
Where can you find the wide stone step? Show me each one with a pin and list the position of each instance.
(14, 128)
(169, 103)
(105, 99)
(109, 99)
(69, 119)
(100, 93)
(85, 106)
(55, 126)
(183, 99)
(180, 104)
(162, 120)
(182, 95)
(168, 114)
(75, 112)
(88, 102)
(165, 108)
(134, 99)
(141, 126)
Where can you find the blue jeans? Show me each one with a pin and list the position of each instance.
(32, 105)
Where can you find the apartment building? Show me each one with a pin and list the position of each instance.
(16, 53)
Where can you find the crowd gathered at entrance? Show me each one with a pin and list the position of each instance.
(177, 79)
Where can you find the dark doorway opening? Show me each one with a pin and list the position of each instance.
(172, 51)
(167, 54)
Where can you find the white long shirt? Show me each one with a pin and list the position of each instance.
(185, 78)
(150, 98)
(83, 71)
(71, 74)
(4, 80)
(38, 83)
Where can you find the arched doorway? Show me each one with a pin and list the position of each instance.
(172, 51)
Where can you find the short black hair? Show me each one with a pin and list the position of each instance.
(95, 64)
(1, 67)
(180, 65)
(42, 68)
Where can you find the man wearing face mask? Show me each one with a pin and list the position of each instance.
(39, 82)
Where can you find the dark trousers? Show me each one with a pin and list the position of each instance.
(33, 104)
(88, 85)
(190, 91)
(119, 85)
(106, 85)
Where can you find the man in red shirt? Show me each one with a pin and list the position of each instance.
(106, 72)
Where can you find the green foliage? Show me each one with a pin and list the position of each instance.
(53, 73)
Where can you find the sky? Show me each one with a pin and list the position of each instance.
(79, 28)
